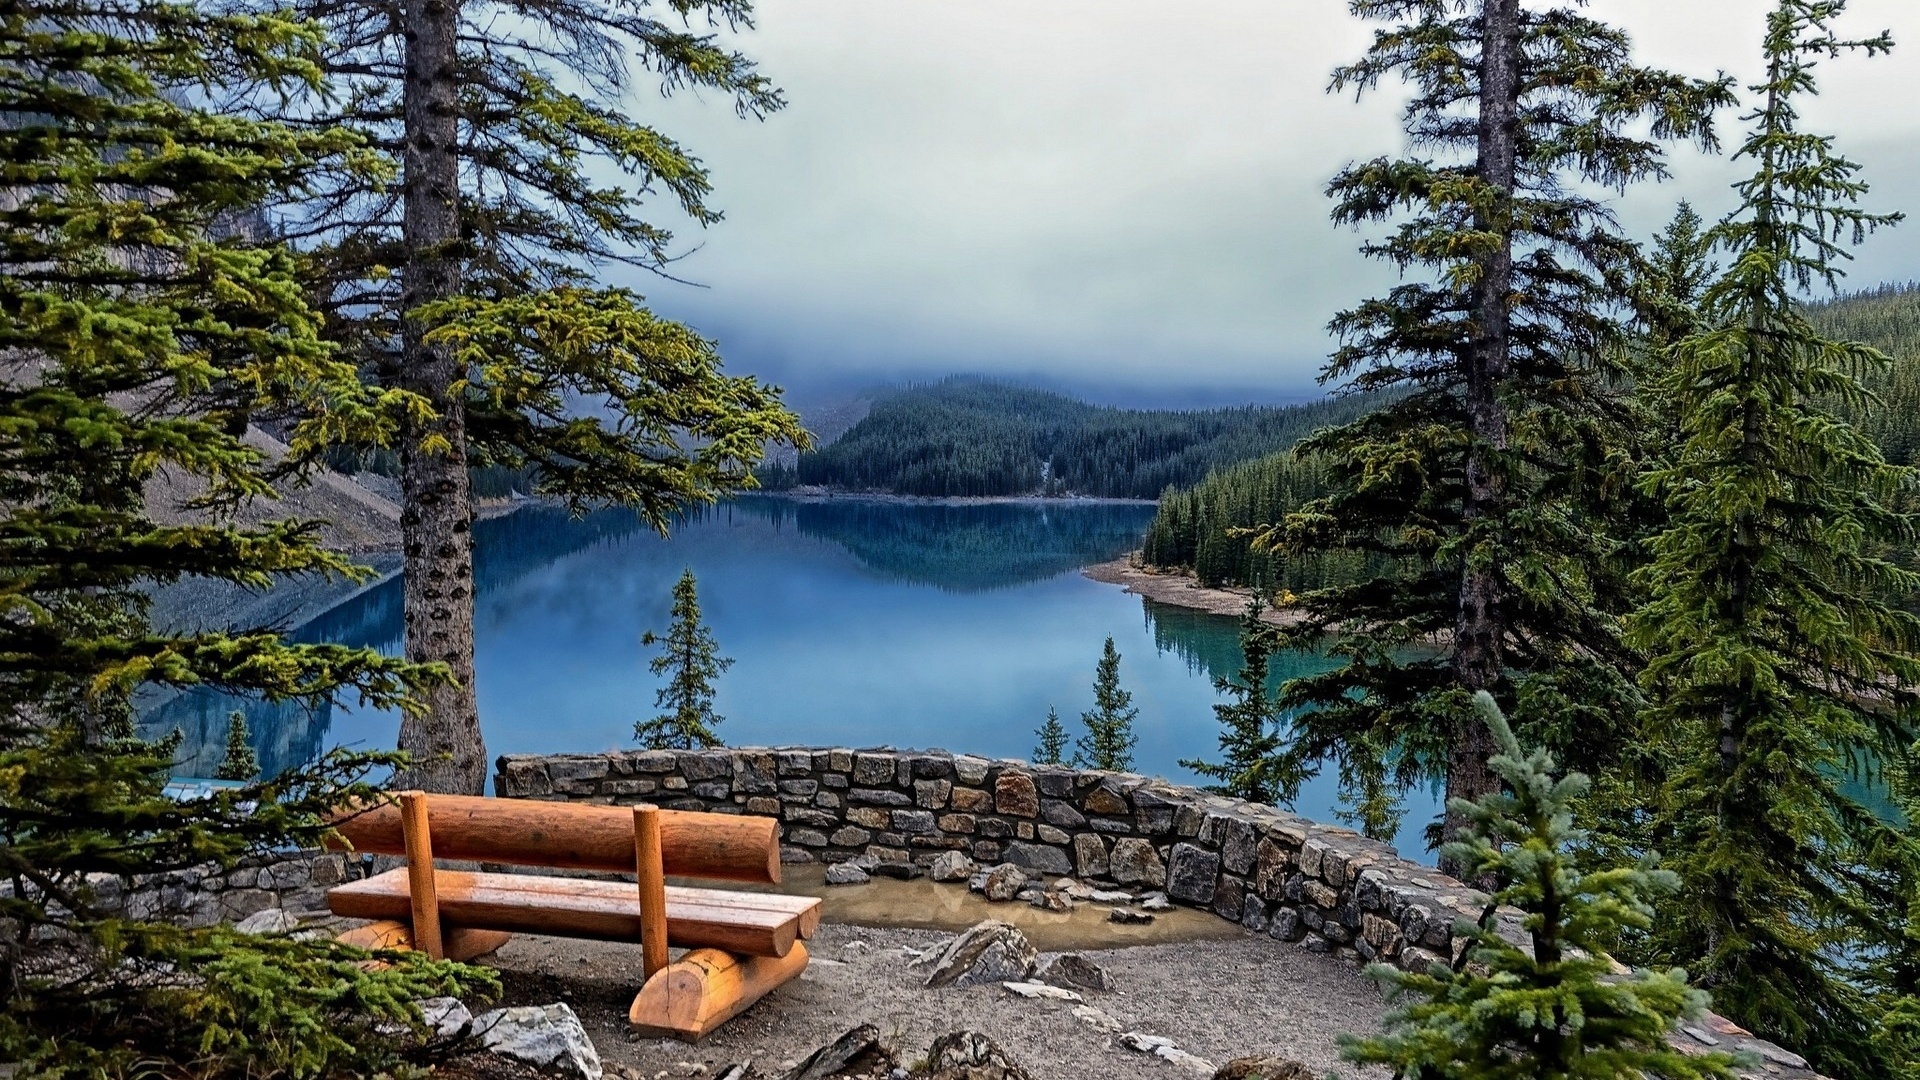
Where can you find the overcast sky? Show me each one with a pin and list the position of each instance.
(1120, 197)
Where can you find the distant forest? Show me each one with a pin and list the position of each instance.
(1192, 529)
(973, 437)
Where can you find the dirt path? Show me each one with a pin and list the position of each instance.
(1219, 999)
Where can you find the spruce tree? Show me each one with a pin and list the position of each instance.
(1551, 1009)
(471, 275)
(1053, 740)
(140, 334)
(239, 761)
(691, 661)
(1256, 766)
(1470, 487)
(1108, 743)
(1780, 657)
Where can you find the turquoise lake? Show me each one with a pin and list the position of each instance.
(851, 622)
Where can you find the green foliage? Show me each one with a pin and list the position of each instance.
(1252, 727)
(1476, 505)
(239, 762)
(969, 437)
(142, 333)
(1108, 743)
(691, 661)
(1552, 1008)
(1052, 749)
(1779, 659)
(1888, 318)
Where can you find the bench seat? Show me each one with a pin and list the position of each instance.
(745, 923)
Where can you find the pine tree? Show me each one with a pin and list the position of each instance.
(1252, 741)
(1053, 740)
(239, 762)
(691, 661)
(1471, 488)
(518, 176)
(1780, 658)
(140, 334)
(1550, 1009)
(1108, 743)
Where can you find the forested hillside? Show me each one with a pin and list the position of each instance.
(970, 437)
(1192, 529)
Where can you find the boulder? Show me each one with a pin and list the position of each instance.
(988, 952)
(1135, 862)
(969, 1055)
(905, 871)
(1073, 971)
(1036, 990)
(1128, 917)
(547, 1037)
(951, 866)
(1263, 1068)
(846, 874)
(1050, 900)
(446, 1017)
(271, 921)
(1004, 882)
(857, 1053)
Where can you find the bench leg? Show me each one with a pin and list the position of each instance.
(705, 988)
(459, 942)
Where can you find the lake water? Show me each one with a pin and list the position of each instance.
(852, 623)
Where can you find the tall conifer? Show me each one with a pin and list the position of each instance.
(1466, 485)
(1780, 662)
(1052, 748)
(473, 275)
(1108, 743)
(691, 660)
(138, 334)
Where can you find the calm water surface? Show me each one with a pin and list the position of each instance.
(851, 623)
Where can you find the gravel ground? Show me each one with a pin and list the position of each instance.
(1219, 998)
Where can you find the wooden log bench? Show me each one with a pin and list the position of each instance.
(740, 944)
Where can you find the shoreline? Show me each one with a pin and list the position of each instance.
(822, 495)
(1178, 588)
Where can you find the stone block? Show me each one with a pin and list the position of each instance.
(799, 787)
(1041, 857)
(914, 821)
(1047, 834)
(801, 815)
(827, 800)
(986, 851)
(763, 806)
(1285, 925)
(673, 783)
(1090, 856)
(932, 794)
(1253, 914)
(1023, 829)
(1014, 794)
(1321, 895)
(1229, 897)
(972, 800)
(840, 760)
(1104, 800)
(1115, 826)
(706, 765)
(1192, 873)
(1271, 863)
(1187, 820)
(849, 836)
(970, 769)
(713, 789)
(807, 837)
(834, 781)
(996, 828)
(869, 817)
(1312, 853)
(961, 824)
(1135, 862)
(930, 767)
(795, 762)
(1055, 783)
(1061, 813)
(1238, 847)
(879, 797)
(875, 770)
(755, 773)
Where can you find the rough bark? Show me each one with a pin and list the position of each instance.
(1480, 626)
(437, 521)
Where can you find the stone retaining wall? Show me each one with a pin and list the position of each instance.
(1327, 888)
(296, 882)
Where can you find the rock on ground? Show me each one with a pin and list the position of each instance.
(548, 1037)
(952, 866)
(856, 1053)
(1073, 971)
(446, 1017)
(988, 952)
(1004, 882)
(969, 1055)
(270, 921)
(846, 874)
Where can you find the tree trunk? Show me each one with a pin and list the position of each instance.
(437, 519)
(1480, 626)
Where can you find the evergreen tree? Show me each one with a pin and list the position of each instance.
(471, 276)
(1779, 659)
(239, 762)
(1108, 743)
(1053, 740)
(1472, 487)
(1551, 1009)
(138, 334)
(1256, 766)
(691, 661)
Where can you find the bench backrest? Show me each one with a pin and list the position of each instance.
(572, 836)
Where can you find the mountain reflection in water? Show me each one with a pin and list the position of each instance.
(852, 622)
